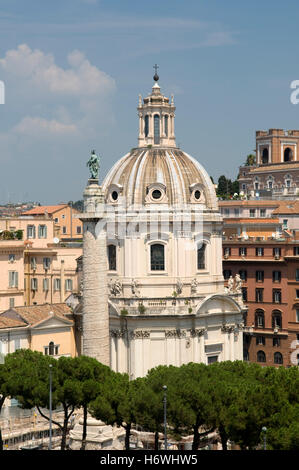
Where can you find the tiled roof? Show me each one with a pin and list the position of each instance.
(282, 166)
(22, 316)
(10, 322)
(287, 207)
(42, 209)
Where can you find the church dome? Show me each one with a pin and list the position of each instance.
(159, 176)
(157, 172)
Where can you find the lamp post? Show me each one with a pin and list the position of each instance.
(50, 407)
(165, 417)
(264, 429)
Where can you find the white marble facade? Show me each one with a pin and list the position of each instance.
(162, 268)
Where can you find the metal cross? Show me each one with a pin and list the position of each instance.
(156, 68)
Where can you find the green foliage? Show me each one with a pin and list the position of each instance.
(235, 399)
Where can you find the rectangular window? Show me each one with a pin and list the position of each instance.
(17, 344)
(297, 293)
(237, 212)
(297, 315)
(13, 278)
(276, 276)
(259, 251)
(45, 285)
(276, 296)
(33, 263)
(260, 340)
(42, 231)
(252, 213)
(297, 275)
(244, 293)
(242, 251)
(276, 252)
(263, 212)
(226, 212)
(259, 276)
(30, 231)
(11, 302)
(285, 224)
(79, 229)
(276, 341)
(68, 284)
(56, 220)
(243, 275)
(226, 274)
(201, 257)
(34, 284)
(259, 295)
(57, 284)
(64, 229)
(226, 251)
(212, 359)
(47, 263)
(296, 250)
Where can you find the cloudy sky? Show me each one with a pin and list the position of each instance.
(73, 70)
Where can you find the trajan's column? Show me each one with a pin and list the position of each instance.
(95, 298)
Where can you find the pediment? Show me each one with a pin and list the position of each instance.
(52, 322)
(218, 304)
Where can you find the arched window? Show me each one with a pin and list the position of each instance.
(112, 257)
(51, 348)
(265, 156)
(259, 319)
(157, 257)
(166, 125)
(278, 359)
(287, 155)
(261, 356)
(201, 257)
(146, 126)
(276, 319)
(156, 129)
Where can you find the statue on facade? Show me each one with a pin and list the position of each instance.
(179, 286)
(230, 285)
(93, 165)
(134, 287)
(194, 285)
(238, 284)
(115, 287)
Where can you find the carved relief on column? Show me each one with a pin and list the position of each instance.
(178, 333)
(197, 332)
(137, 334)
(117, 333)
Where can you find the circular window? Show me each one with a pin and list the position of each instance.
(114, 195)
(156, 194)
(197, 194)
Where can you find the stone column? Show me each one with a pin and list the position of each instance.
(96, 339)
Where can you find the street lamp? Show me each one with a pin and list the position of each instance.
(165, 420)
(50, 407)
(264, 429)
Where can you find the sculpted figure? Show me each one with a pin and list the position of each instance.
(93, 165)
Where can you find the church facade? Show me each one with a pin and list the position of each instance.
(153, 289)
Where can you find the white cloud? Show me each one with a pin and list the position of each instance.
(40, 70)
(38, 126)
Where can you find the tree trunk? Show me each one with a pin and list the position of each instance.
(195, 442)
(84, 433)
(223, 437)
(156, 440)
(127, 438)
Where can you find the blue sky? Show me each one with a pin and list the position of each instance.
(73, 70)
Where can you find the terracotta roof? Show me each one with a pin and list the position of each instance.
(33, 314)
(287, 207)
(253, 220)
(250, 202)
(282, 166)
(42, 209)
(10, 322)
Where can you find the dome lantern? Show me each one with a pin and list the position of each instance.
(156, 118)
